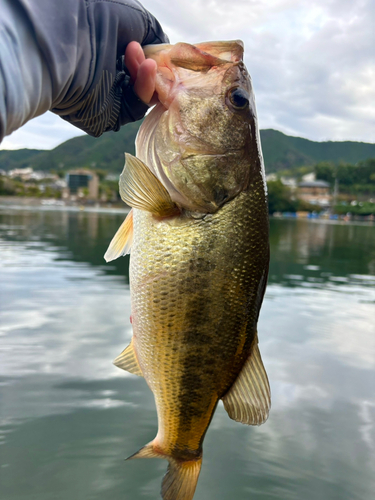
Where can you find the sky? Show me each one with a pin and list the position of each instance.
(312, 64)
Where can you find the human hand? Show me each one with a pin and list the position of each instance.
(101, 96)
(71, 62)
(142, 72)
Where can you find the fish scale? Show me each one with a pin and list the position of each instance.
(191, 323)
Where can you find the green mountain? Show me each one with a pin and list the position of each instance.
(283, 151)
(107, 152)
(19, 158)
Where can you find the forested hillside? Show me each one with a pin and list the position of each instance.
(107, 152)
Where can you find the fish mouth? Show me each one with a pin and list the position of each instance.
(183, 65)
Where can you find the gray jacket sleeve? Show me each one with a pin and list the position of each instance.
(66, 56)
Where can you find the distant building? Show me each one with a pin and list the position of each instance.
(112, 177)
(315, 192)
(291, 182)
(39, 176)
(310, 177)
(22, 173)
(271, 177)
(82, 183)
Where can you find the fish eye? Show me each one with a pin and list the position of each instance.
(239, 98)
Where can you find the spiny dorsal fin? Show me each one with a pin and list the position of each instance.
(249, 399)
(122, 240)
(128, 361)
(139, 188)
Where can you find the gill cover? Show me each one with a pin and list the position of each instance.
(206, 116)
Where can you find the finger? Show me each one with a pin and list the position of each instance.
(144, 85)
(134, 57)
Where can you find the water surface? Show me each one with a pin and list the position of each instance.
(68, 417)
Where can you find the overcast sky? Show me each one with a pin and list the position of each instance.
(312, 63)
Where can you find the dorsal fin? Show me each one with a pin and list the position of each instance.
(140, 188)
(249, 399)
(122, 240)
(127, 360)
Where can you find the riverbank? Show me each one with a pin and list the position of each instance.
(321, 216)
(51, 204)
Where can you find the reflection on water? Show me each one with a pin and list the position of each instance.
(68, 417)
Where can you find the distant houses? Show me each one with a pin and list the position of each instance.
(79, 184)
(30, 175)
(315, 193)
(27, 182)
(309, 190)
(24, 174)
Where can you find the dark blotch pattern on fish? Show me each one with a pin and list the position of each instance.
(211, 308)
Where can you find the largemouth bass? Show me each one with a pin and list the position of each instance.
(198, 234)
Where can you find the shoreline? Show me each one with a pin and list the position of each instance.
(53, 205)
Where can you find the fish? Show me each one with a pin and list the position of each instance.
(198, 235)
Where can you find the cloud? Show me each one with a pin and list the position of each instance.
(44, 132)
(312, 63)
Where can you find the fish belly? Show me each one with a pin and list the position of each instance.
(196, 285)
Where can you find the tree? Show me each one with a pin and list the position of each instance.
(279, 198)
(325, 171)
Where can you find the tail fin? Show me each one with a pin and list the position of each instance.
(181, 479)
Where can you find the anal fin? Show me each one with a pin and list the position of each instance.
(249, 399)
(127, 360)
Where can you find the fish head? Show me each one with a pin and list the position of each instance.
(201, 140)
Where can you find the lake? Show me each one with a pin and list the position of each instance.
(69, 418)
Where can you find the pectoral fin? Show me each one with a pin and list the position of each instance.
(128, 361)
(122, 240)
(139, 188)
(249, 399)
